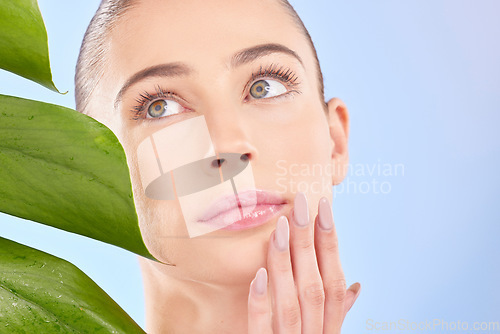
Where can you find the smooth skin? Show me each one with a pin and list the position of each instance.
(207, 291)
(308, 286)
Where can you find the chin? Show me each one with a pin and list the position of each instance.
(237, 261)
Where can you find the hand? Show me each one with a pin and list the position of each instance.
(306, 281)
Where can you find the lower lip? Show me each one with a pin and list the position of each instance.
(259, 215)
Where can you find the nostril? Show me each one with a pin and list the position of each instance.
(217, 163)
(245, 157)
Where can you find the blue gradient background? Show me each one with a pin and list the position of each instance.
(421, 80)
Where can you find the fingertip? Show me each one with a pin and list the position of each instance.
(356, 287)
(352, 295)
(323, 200)
(358, 291)
(325, 215)
(259, 283)
(259, 310)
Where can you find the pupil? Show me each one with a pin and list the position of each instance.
(158, 107)
(259, 89)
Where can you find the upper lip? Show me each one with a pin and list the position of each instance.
(247, 198)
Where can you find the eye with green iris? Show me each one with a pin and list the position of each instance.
(162, 108)
(267, 88)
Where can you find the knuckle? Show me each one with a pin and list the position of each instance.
(314, 294)
(290, 315)
(304, 243)
(336, 289)
(257, 310)
(281, 265)
(331, 244)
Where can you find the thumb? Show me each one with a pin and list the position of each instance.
(350, 296)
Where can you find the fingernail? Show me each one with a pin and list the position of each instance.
(325, 214)
(260, 281)
(300, 210)
(357, 291)
(281, 234)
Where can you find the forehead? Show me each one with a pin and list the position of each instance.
(199, 32)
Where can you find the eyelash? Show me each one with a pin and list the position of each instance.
(145, 98)
(283, 74)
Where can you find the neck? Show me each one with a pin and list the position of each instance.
(176, 305)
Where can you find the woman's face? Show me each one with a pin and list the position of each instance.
(285, 130)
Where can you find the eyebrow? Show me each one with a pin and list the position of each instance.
(162, 70)
(178, 69)
(250, 54)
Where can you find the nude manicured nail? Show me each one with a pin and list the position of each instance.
(260, 282)
(325, 214)
(281, 234)
(300, 210)
(356, 291)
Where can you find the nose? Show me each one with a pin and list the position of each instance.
(216, 163)
(230, 134)
(230, 164)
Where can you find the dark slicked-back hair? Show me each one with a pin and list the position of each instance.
(91, 63)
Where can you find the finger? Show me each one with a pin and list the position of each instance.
(259, 310)
(285, 308)
(305, 268)
(330, 268)
(350, 297)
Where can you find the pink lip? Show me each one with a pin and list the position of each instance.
(226, 213)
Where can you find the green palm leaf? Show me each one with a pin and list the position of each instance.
(64, 169)
(40, 293)
(23, 41)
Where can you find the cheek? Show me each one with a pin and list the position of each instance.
(160, 222)
(295, 153)
(309, 141)
(298, 134)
